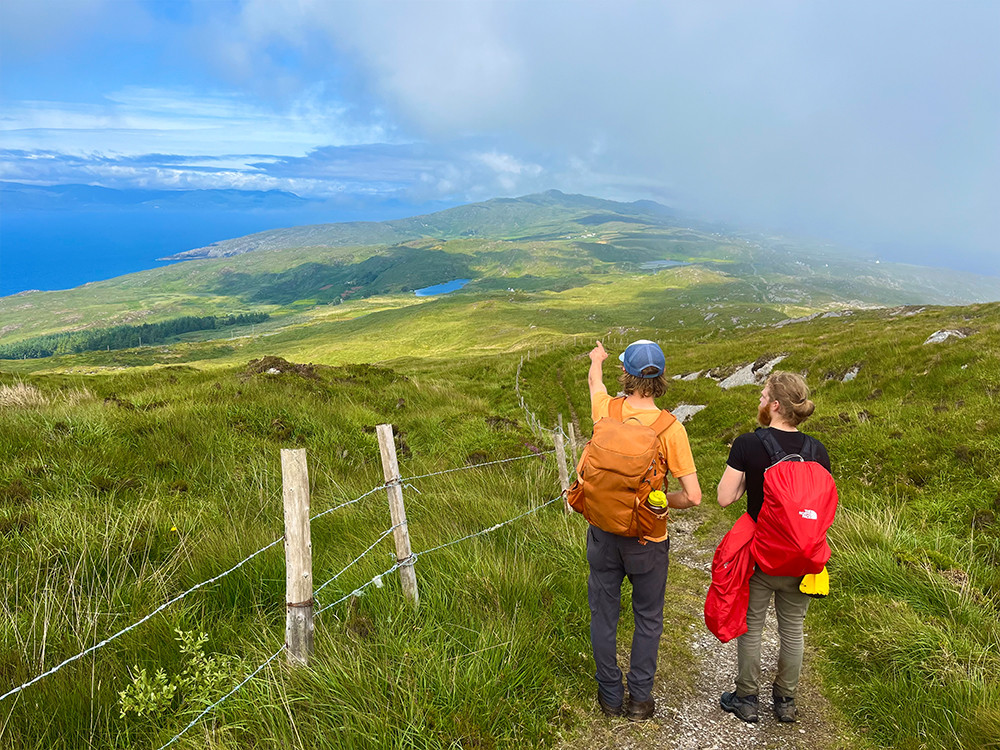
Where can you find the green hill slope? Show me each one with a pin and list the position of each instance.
(127, 477)
(543, 216)
(548, 242)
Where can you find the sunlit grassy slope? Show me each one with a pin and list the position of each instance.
(128, 476)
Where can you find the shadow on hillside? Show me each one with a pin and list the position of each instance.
(398, 269)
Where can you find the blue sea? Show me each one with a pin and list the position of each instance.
(60, 249)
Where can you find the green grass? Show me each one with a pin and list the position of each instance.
(104, 482)
(99, 470)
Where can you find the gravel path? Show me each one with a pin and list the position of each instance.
(691, 719)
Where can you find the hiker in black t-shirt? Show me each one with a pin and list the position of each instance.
(784, 404)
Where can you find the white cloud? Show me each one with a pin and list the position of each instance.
(138, 120)
(874, 123)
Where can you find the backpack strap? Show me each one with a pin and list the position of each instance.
(662, 422)
(809, 451)
(774, 450)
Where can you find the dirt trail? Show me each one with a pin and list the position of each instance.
(690, 719)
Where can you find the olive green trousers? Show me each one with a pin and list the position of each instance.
(790, 606)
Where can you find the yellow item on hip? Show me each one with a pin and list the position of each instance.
(816, 584)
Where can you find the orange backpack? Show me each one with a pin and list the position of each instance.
(620, 466)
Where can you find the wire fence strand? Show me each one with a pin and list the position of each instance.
(477, 466)
(223, 699)
(356, 559)
(349, 502)
(136, 624)
(374, 581)
(491, 528)
(166, 604)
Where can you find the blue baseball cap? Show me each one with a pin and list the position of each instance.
(642, 354)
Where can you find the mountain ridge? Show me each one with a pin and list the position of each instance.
(508, 214)
(18, 196)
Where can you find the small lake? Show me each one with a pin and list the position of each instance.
(654, 264)
(449, 286)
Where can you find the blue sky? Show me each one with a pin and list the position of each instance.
(873, 124)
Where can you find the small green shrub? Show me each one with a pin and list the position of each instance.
(202, 678)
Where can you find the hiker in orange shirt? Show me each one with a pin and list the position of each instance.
(613, 557)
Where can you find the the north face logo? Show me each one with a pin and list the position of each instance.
(809, 515)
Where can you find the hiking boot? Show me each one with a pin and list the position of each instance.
(784, 708)
(640, 710)
(744, 708)
(606, 708)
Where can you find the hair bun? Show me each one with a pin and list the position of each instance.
(804, 408)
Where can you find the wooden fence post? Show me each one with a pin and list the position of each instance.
(563, 471)
(401, 534)
(298, 557)
(572, 444)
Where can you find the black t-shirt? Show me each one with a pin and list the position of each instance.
(749, 456)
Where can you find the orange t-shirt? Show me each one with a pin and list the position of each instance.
(673, 440)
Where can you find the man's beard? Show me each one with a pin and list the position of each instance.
(764, 415)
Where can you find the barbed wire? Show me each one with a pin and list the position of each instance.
(223, 699)
(349, 502)
(409, 561)
(136, 624)
(473, 466)
(356, 559)
(375, 580)
(247, 559)
(166, 604)
(486, 531)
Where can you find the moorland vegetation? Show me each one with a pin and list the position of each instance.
(129, 476)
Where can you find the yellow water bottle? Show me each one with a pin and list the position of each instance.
(657, 501)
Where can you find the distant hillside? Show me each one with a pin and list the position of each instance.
(535, 245)
(541, 216)
(17, 196)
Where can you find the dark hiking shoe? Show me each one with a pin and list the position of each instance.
(606, 708)
(640, 710)
(744, 708)
(784, 708)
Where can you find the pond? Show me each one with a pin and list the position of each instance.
(654, 264)
(448, 286)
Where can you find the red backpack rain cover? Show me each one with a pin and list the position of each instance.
(729, 592)
(800, 501)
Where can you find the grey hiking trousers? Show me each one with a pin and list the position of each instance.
(611, 559)
(790, 606)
